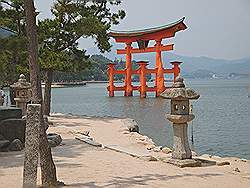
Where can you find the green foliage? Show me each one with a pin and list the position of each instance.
(96, 71)
(13, 59)
(12, 16)
(13, 53)
(87, 19)
(58, 37)
(5, 58)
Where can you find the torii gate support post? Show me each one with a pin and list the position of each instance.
(111, 86)
(128, 75)
(176, 68)
(160, 87)
(143, 83)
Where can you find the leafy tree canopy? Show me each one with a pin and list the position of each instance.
(13, 53)
(59, 35)
(12, 15)
(74, 20)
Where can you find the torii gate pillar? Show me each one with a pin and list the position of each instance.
(160, 71)
(128, 75)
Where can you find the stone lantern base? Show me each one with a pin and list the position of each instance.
(181, 149)
(184, 163)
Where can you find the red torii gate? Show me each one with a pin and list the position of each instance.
(142, 37)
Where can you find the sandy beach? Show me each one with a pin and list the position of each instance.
(82, 165)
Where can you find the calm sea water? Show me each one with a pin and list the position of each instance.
(221, 126)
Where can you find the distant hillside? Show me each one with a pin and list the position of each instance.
(97, 71)
(4, 32)
(193, 65)
(221, 66)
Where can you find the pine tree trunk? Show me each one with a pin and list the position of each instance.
(48, 169)
(33, 51)
(47, 91)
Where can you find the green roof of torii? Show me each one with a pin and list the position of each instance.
(140, 32)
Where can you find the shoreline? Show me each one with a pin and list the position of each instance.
(127, 121)
(117, 117)
(82, 165)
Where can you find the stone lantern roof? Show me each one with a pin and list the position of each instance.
(179, 91)
(21, 83)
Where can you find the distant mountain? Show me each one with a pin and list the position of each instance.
(201, 73)
(240, 66)
(199, 66)
(193, 67)
(5, 32)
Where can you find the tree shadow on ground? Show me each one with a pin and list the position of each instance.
(143, 180)
(11, 159)
(72, 149)
(71, 124)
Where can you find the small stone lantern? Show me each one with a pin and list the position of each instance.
(179, 115)
(1, 99)
(22, 90)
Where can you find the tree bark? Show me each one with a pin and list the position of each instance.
(48, 169)
(47, 91)
(33, 51)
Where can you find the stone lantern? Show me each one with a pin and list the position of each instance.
(180, 96)
(22, 90)
(1, 100)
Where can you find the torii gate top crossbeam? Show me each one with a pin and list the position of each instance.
(166, 31)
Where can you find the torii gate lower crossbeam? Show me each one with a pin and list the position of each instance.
(142, 71)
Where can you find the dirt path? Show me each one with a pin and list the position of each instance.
(81, 165)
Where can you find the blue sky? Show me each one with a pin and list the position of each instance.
(216, 28)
